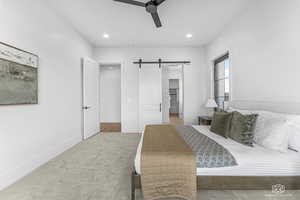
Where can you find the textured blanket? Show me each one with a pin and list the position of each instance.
(209, 154)
(168, 165)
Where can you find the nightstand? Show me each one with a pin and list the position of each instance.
(204, 120)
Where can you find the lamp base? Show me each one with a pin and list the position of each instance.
(210, 112)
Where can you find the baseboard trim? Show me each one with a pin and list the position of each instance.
(9, 177)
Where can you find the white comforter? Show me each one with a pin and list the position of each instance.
(256, 161)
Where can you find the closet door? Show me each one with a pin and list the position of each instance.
(150, 95)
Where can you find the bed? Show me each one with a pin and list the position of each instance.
(256, 161)
(257, 167)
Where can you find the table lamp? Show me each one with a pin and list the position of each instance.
(211, 104)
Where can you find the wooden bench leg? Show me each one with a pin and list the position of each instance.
(133, 185)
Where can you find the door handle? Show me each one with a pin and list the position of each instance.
(86, 107)
(160, 107)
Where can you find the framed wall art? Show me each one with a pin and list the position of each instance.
(18, 76)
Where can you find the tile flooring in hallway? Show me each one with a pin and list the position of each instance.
(99, 169)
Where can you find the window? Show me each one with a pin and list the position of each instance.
(222, 81)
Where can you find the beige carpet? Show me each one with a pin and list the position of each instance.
(99, 168)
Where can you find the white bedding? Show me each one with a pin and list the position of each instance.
(252, 161)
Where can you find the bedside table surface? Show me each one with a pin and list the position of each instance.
(204, 120)
(205, 117)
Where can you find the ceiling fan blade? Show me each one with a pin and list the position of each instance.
(156, 19)
(158, 2)
(132, 2)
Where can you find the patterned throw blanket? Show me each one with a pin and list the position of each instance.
(209, 154)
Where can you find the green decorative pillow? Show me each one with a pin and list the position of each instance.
(242, 127)
(221, 123)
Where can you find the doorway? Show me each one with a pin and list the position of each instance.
(174, 101)
(173, 95)
(110, 98)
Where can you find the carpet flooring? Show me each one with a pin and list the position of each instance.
(99, 169)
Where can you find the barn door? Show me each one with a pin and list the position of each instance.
(150, 95)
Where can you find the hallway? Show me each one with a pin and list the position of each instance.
(175, 120)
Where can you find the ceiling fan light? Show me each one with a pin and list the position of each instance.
(189, 35)
(106, 36)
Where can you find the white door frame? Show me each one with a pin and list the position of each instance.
(121, 63)
(182, 85)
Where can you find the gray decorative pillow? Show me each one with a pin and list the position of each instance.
(221, 123)
(242, 128)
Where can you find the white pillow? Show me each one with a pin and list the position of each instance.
(294, 119)
(272, 130)
(293, 127)
(266, 120)
(275, 136)
(294, 137)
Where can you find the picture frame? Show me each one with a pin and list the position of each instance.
(18, 76)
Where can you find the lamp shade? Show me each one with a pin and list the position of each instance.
(211, 103)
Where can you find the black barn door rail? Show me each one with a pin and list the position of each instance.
(160, 62)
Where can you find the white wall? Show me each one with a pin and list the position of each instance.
(264, 51)
(194, 85)
(110, 93)
(33, 134)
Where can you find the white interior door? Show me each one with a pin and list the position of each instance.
(91, 123)
(150, 92)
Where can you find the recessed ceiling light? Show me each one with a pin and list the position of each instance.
(106, 36)
(189, 35)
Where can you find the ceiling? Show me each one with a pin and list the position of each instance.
(131, 26)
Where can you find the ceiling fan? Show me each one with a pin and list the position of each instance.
(151, 7)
